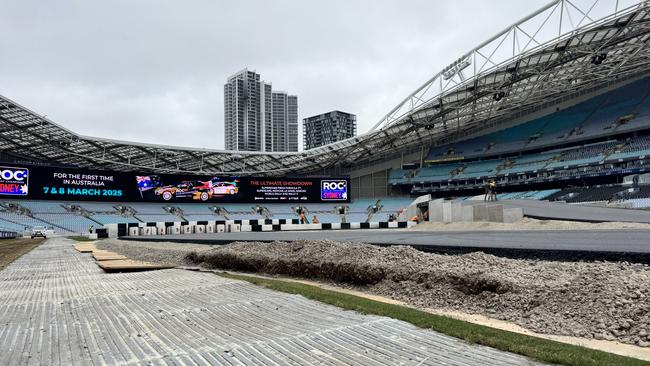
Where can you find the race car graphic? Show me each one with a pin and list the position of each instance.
(196, 190)
(222, 188)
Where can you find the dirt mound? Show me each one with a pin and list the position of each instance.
(601, 300)
(355, 264)
(332, 261)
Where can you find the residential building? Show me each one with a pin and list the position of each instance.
(327, 128)
(256, 118)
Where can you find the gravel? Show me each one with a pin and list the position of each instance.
(599, 300)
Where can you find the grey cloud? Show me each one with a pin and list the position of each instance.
(153, 71)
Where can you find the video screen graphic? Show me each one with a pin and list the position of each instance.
(155, 188)
(52, 183)
(334, 190)
(14, 181)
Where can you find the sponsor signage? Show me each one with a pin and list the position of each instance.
(89, 185)
(334, 190)
(14, 181)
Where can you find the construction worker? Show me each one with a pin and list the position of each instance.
(493, 190)
(314, 220)
(303, 217)
(490, 191)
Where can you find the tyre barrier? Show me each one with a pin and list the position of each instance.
(232, 226)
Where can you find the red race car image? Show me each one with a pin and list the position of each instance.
(197, 190)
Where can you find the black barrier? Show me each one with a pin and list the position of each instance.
(47, 183)
(122, 229)
(8, 234)
(102, 233)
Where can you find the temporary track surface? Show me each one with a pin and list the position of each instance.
(58, 307)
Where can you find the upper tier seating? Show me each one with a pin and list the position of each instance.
(620, 110)
(624, 109)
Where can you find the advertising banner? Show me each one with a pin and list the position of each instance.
(88, 185)
(14, 181)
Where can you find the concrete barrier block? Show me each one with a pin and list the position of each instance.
(161, 230)
(467, 213)
(111, 229)
(92, 236)
(235, 228)
(199, 229)
(300, 227)
(243, 228)
(392, 224)
(267, 227)
(209, 228)
(222, 228)
(447, 209)
(435, 210)
(149, 230)
(456, 212)
(290, 227)
(495, 213)
(336, 226)
(514, 214)
(187, 229)
(481, 212)
(411, 223)
(134, 231)
(355, 225)
(374, 225)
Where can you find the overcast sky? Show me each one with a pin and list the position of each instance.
(153, 71)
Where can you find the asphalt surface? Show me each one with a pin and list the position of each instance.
(620, 241)
(58, 308)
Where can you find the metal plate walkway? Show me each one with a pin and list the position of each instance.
(57, 307)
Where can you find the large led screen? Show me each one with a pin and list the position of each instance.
(88, 185)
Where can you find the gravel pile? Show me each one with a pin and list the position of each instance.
(172, 254)
(601, 300)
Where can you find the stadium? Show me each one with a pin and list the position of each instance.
(520, 173)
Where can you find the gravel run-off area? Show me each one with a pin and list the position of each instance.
(593, 300)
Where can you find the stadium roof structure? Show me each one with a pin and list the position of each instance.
(561, 50)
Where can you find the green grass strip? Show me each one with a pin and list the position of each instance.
(537, 348)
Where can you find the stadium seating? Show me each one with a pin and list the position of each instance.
(598, 119)
(53, 214)
(615, 193)
(594, 117)
(528, 195)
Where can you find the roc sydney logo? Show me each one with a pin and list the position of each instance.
(13, 181)
(334, 190)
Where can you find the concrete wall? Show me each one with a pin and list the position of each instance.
(456, 211)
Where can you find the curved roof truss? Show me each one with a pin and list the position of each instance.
(539, 60)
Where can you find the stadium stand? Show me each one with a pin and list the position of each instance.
(577, 126)
(25, 214)
(606, 134)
